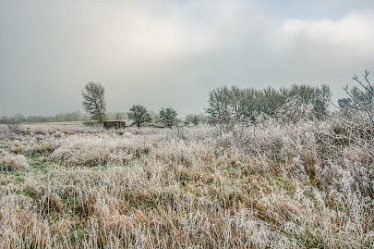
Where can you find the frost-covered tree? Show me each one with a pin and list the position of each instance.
(322, 98)
(220, 109)
(139, 115)
(168, 117)
(196, 119)
(361, 97)
(229, 106)
(291, 111)
(94, 101)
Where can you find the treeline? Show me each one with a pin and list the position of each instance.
(230, 105)
(95, 105)
(227, 105)
(61, 117)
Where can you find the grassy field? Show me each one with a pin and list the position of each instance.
(308, 185)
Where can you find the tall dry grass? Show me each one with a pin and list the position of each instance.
(306, 185)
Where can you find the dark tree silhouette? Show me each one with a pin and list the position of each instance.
(94, 101)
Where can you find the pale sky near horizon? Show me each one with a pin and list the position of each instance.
(172, 53)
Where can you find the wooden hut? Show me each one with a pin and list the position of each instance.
(114, 124)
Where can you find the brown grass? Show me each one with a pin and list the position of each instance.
(281, 187)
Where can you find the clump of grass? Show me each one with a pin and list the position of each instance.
(9, 162)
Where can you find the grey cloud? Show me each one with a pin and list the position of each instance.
(163, 53)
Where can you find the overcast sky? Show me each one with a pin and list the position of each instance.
(172, 53)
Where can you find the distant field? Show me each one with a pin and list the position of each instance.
(309, 185)
(74, 124)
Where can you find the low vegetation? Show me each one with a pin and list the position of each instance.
(304, 185)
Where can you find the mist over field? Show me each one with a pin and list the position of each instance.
(186, 124)
(173, 53)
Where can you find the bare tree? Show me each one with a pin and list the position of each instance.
(94, 101)
(231, 106)
(361, 97)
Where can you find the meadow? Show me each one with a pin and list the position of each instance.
(303, 185)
